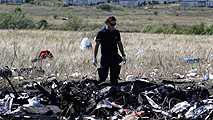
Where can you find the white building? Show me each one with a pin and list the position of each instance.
(209, 3)
(167, 1)
(83, 2)
(127, 3)
(196, 3)
(14, 1)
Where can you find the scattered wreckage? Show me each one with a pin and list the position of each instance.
(87, 99)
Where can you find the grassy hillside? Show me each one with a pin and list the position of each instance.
(129, 18)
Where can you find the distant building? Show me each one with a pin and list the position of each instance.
(70, 2)
(124, 3)
(209, 3)
(196, 3)
(84, 2)
(167, 1)
(128, 3)
(14, 1)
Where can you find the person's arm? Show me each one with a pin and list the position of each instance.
(96, 49)
(120, 46)
(95, 62)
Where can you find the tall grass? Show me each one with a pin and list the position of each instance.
(160, 51)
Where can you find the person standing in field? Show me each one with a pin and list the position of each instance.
(110, 40)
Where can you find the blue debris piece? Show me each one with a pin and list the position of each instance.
(192, 60)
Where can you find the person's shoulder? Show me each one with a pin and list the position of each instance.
(102, 30)
(115, 30)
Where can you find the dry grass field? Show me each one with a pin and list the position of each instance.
(162, 54)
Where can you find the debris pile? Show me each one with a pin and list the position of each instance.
(89, 100)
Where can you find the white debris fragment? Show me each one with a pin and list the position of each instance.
(143, 80)
(140, 50)
(14, 69)
(179, 107)
(52, 78)
(210, 76)
(153, 74)
(65, 82)
(192, 71)
(155, 70)
(39, 78)
(190, 112)
(18, 78)
(48, 64)
(179, 76)
(129, 77)
(33, 102)
(27, 86)
(54, 85)
(75, 74)
(206, 76)
(58, 74)
(52, 75)
(191, 74)
(89, 77)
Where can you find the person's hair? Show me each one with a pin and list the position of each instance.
(110, 18)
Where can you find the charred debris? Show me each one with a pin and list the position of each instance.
(86, 99)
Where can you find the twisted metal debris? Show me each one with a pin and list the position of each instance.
(89, 100)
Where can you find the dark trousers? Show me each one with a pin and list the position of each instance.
(109, 63)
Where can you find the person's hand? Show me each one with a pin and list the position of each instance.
(95, 62)
(124, 59)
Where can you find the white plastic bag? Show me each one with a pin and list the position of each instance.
(85, 44)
